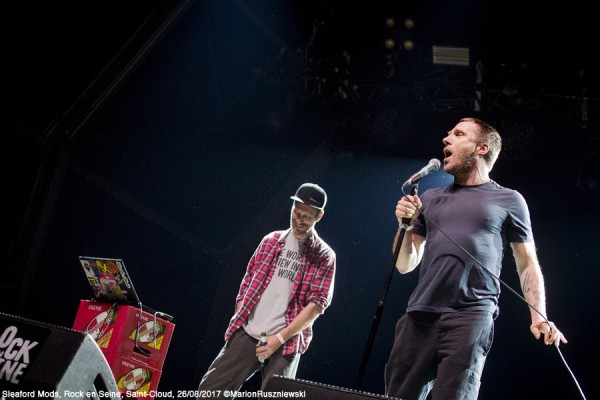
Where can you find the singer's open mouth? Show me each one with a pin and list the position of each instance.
(447, 154)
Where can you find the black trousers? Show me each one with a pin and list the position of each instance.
(441, 354)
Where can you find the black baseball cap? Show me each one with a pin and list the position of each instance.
(311, 194)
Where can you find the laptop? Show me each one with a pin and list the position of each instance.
(110, 283)
(109, 280)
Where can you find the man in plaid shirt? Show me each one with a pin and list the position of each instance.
(288, 283)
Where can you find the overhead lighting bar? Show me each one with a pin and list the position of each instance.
(451, 56)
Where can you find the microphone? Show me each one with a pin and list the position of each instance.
(433, 165)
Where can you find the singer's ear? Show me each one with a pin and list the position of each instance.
(484, 148)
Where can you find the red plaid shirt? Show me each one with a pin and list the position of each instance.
(314, 283)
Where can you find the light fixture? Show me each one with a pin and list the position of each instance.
(451, 56)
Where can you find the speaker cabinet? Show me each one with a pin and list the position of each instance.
(41, 360)
(318, 391)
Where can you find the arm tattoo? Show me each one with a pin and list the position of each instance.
(526, 282)
(528, 286)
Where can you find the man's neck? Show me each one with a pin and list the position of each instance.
(476, 176)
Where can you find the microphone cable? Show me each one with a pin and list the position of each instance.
(504, 284)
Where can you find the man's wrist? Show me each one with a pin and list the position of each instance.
(281, 339)
(406, 227)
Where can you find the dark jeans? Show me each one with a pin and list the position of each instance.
(441, 354)
(237, 362)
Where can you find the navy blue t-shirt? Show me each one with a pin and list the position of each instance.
(482, 219)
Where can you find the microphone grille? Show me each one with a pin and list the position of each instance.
(435, 163)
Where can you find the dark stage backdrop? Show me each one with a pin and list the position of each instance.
(194, 158)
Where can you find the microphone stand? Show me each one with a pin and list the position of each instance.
(381, 303)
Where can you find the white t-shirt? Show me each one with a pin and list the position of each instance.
(269, 313)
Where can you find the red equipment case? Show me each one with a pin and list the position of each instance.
(134, 345)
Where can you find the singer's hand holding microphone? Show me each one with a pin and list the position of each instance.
(408, 207)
